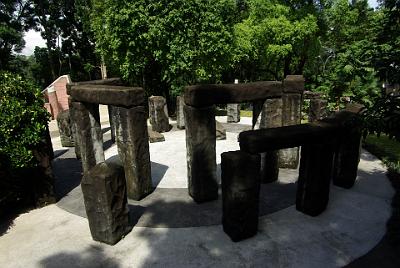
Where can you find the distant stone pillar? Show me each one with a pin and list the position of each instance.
(65, 128)
(270, 117)
(291, 115)
(200, 148)
(73, 119)
(111, 119)
(240, 183)
(316, 168)
(180, 117)
(233, 113)
(90, 137)
(318, 109)
(104, 193)
(133, 149)
(158, 112)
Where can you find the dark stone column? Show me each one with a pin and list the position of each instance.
(315, 174)
(111, 119)
(180, 117)
(72, 115)
(318, 109)
(104, 193)
(233, 113)
(270, 117)
(240, 183)
(200, 149)
(291, 115)
(347, 157)
(65, 129)
(158, 112)
(90, 137)
(133, 150)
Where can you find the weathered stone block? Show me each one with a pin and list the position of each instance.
(200, 149)
(104, 193)
(158, 112)
(133, 150)
(220, 131)
(240, 183)
(180, 117)
(318, 109)
(65, 129)
(315, 174)
(90, 137)
(111, 119)
(155, 136)
(233, 112)
(73, 119)
(291, 115)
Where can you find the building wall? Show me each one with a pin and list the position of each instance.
(57, 96)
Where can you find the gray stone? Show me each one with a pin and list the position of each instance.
(90, 137)
(291, 115)
(180, 117)
(318, 109)
(316, 168)
(155, 136)
(104, 192)
(200, 149)
(111, 119)
(220, 131)
(158, 112)
(233, 112)
(65, 129)
(133, 150)
(240, 183)
(72, 114)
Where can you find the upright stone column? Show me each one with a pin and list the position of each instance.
(270, 117)
(158, 114)
(73, 119)
(111, 119)
(291, 115)
(104, 193)
(315, 174)
(65, 128)
(133, 149)
(318, 109)
(200, 149)
(90, 137)
(233, 113)
(180, 117)
(240, 183)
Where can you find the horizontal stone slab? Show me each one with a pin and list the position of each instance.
(108, 95)
(207, 95)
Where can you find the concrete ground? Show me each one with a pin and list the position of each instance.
(172, 231)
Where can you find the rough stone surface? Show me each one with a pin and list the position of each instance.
(220, 131)
(90, 137)
(133, 149)
(200, 149)
(111, 118)
(315, 175)
(233, 112)
(293, 84)
(318, 109)
(108, 95)
(180, 117)
(291, 115)
(104, 192)
(155, 136)
(158, 112)
(65, 129)
(240, 183)
(72, 114)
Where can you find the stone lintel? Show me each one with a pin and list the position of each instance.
(293, 84)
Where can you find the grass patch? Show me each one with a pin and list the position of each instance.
(384, 148)
(246, 113)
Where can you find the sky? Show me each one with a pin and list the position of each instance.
(33, 39)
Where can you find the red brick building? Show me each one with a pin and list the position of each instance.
(56, 96)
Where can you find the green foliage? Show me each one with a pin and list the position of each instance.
(384, 148)
(22, 120)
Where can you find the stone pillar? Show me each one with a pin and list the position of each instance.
(270, 117)
(233, 112)
(316, 168)
(200, 149)
(133, 149)
(90, 137)
(291, 115)
(72, 115)
(111, 119)
(158, 112)
(240, 183)
(65, 129)
(104, 193)
(180, 117)
(318, 109)
(347, 157)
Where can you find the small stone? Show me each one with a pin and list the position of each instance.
(220, 131)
